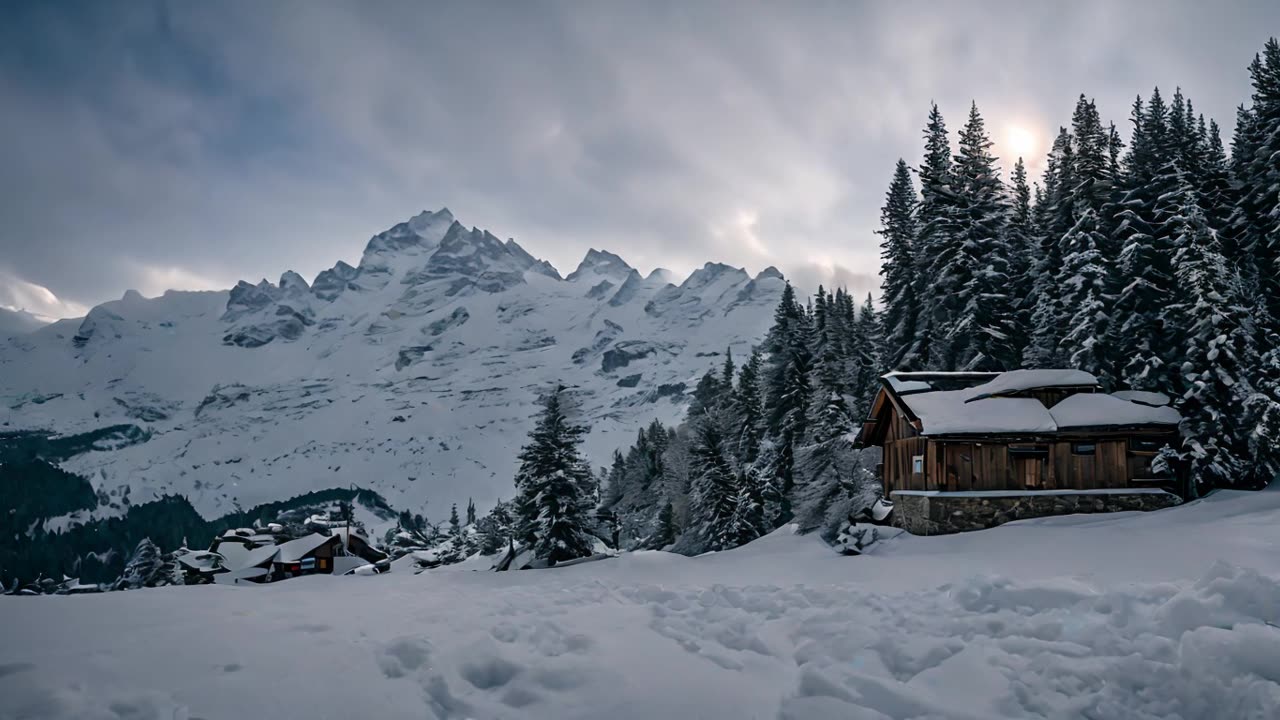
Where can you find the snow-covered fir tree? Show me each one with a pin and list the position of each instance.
(748, 402)
(1218, 356)
(899, 288)
(148, 567)
(549, 507)
(982, 329)
(715, 491)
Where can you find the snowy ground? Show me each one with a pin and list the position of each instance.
(1119, 616)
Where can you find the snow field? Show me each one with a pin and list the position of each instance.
(781, 628)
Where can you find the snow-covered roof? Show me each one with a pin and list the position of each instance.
(1143, 397)
(200, 560)
(1099, 410)
(1015, 381)
(254, 558)
(294, 550)
(955, 412)
(906, 385)
(946, 412)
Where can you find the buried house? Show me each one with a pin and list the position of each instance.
(258, 557)
(971, 450)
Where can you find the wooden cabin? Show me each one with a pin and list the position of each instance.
(1016, 432)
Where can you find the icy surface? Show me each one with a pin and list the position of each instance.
(1140, 616)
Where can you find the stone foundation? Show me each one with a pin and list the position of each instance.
(939, 513)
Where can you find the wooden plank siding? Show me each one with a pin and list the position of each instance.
(958, 465)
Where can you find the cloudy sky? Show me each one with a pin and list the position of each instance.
(152, 145)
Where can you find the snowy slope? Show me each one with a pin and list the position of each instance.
(17, 322)
(414, 373)
(1118, 617)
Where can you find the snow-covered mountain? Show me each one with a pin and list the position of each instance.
(414, 373)
(17, 322)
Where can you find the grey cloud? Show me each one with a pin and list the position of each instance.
(202, 143)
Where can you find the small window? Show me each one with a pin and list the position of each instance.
(1029, 451)
(1083, 448)
(917, 464)
(1144, 445)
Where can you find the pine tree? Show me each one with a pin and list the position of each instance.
(455, 527)
(471, 512)
(935, 244)
(548, 483)
(148, 567)
(749, 402)
(1091, 168)
(726, 373)
(1020, 232)
(666, 531)
(1145, 355)
(869, 366)
(982, 331)
(787, 367)
(1219, 353)
(1255, 221)
(899, 287)
(495, 529)
(1054, 219)
(830, 413)
(706, 395)
(747, 522)
(715, 490)
(1084, 289)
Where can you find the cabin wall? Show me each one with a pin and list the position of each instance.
(898, 464)
(959, 465)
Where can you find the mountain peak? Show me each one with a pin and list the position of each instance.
(601, 262)
(421, 233)
(770, 272)
(422, 223)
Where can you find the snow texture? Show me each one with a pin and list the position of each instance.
(1127, 616)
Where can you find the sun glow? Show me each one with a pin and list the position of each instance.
(1022, 141)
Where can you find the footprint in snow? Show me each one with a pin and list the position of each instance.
(403, 656)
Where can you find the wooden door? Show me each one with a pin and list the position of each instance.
(1028, 472)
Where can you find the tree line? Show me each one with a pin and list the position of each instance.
(763, 443)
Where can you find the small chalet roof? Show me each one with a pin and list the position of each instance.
(256, 557)
(980, 403)
(295, 550)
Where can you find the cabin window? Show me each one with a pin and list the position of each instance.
(1144, 446)
(1029, 451)
(917, 464)
(1083, 448)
